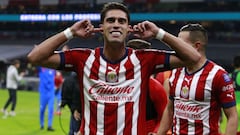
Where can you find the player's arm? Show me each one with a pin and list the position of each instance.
(44, 55)
(166, 121)
(232, 120)
(225, 92)
(185, 53)
(159, 98)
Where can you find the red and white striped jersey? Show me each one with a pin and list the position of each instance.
(113, 94)
(198, 99)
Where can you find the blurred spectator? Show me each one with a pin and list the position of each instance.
(58, 81)
(12, 84)
(46, 91)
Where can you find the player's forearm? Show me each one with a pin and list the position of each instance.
(183, 50)
(165, 123)
(232, 125)
(45, 49)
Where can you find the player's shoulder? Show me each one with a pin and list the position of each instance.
(215, 66)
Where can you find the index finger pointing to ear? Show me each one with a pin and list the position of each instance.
(97, 30)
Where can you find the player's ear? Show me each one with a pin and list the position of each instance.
(130, 29)
(197, 45)
(101, 27)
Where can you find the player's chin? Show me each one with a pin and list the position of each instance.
(117, 41)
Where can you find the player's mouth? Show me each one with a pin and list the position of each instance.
(116, 33)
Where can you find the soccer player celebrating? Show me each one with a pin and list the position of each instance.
(113, 79)
(198, 92)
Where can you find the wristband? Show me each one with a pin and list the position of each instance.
(160, 34)
(68, 33)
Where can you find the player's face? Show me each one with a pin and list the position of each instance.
(17, 65)
(115, 26)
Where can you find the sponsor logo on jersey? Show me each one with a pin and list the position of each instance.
(226, 78)
(102, 88)
(230, 95)
(227, 87)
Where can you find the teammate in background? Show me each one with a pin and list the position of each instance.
(58, 81)
(113, 79)
(46, 91)
(156, 97)
(198, 92)
(162, 76)
(12, 84)
(71, 98)
(235, 75)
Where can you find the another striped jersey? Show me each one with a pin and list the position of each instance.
(113, 94)
(198, 99)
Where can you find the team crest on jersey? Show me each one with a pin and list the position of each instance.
(112, 76)
(185, 92)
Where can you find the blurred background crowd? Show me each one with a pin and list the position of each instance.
(19, 37)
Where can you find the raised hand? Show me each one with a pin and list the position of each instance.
(84, 29)
(145, 30)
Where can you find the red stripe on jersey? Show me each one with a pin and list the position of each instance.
(172, 90)
(183, 126)
(93, 118)
(198, 127)
(199, 95)
(96, 65)
(128, 118)
(129, 70)
(110, 117)
(215, 111)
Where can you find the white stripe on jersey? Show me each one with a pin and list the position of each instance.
(191, 129)
(122, 71)
(102, 69)
(177, 127)
(100, 119)
(192, 93)
(89, 63)
(172, 76)
(179, 83)
(120, 125)
(137, 74)
(208, 87)
(194, 84)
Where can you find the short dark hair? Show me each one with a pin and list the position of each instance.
(197, 32)
(114, 5)
(236, 61)
(14, 62)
